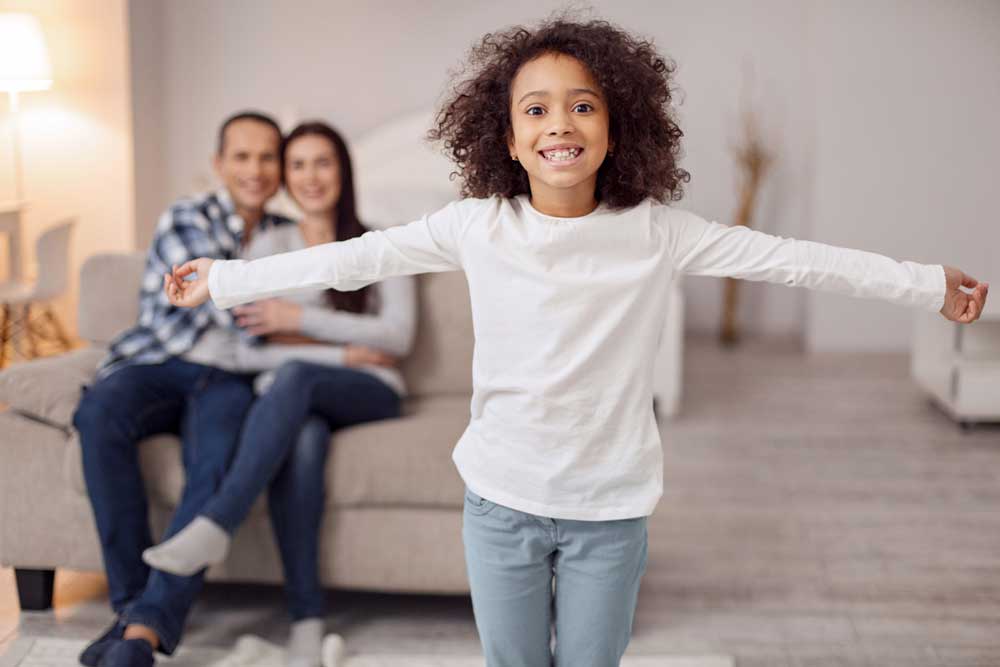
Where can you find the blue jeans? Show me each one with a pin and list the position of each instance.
(284, 444)
(513, 558)
(206, 407)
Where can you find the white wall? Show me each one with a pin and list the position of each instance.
(360, 64)
(76, 137)
(908, 140)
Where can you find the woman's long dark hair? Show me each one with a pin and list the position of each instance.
(347, 226)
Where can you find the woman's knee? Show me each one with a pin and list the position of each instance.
(292, 372)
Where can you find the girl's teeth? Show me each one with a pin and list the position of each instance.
(562, 154)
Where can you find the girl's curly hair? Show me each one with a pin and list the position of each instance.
(635, 80)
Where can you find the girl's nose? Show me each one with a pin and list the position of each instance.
(560, 124)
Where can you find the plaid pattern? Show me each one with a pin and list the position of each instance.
(207, 226)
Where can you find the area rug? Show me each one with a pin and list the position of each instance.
(254, 652)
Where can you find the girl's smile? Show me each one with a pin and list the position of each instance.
(562, 155)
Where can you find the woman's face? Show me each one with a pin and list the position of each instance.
(312, 174)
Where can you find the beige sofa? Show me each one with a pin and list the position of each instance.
(394, 507)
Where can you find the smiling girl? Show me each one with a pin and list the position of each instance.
(565, 141)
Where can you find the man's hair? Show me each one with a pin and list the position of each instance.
(245, 115)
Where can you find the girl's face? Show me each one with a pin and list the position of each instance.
(560, 125)
(312, 174)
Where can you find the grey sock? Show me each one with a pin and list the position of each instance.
(199, 544)
(305, 643)
(333, 651)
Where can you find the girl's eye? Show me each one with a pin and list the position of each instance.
(586, 106)
(531, 111)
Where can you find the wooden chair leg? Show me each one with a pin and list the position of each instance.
(51, 318)
(4, 334)
(29, 333)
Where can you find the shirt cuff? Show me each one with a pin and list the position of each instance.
(941, 286)
(214, 286)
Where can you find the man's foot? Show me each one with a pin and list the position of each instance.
(128, 653)
(95, 650)
(305, 643)
(199, 544)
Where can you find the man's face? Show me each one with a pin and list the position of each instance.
(248, 164)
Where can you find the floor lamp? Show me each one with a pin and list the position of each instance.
(24, 66)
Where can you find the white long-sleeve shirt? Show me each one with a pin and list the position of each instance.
(567, 314)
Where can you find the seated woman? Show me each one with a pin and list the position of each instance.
(316, 388)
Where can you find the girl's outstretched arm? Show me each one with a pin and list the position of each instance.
(707, 248)
(431, 244)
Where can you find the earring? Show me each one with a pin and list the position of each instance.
(514, 158)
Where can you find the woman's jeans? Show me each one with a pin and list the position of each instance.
(206, 407)
(284, 443)
(514, 559)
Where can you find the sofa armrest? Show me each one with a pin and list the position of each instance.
(48, 389)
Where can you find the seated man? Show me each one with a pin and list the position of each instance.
(170, 373)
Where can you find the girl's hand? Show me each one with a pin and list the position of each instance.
(960, 306)
(359, 355)
(269, 316)
(188, 293)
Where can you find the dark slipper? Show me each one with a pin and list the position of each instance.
(95, 649)
(128, 653)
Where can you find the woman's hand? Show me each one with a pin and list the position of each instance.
(188, 293)
(960, 306)
(359, 355)
(270, 316)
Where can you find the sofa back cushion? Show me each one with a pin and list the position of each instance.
(109, 295)
(441, 359)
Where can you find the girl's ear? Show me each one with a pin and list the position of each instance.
(510, 146)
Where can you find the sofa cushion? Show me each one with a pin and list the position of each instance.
(109, 295)
(404, 461)
(48, 389)
(441, 359)
(392, 462)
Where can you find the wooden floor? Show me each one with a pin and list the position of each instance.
(818, 511)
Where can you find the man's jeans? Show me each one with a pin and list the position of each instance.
(206, 407)
(285, 443)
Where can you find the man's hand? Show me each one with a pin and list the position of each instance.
(269, 316)
(960, 306)
(188, 293)
(359, 355)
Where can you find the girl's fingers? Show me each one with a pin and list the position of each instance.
(185, 269)
(969, 281)
(972, 311)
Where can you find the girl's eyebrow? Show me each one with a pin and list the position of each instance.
(545, 93)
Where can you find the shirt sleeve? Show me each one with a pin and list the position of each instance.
(431, 244)
(699, 247)
(391, 329)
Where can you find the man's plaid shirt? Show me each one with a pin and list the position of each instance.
(207, 226)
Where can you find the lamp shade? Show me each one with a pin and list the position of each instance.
(24, 59)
